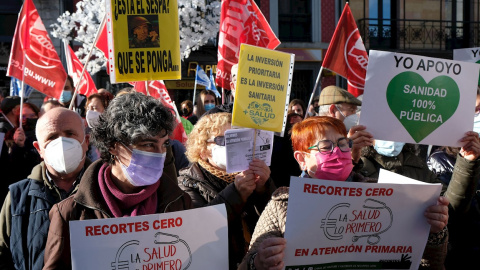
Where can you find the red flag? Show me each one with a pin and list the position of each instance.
(75, 67)
(158, 90)
(33, 48)
(102, 43)
(346, 54)
(241, 21)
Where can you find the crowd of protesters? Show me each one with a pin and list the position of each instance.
(113, 157)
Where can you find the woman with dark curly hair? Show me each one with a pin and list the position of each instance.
(134, 177)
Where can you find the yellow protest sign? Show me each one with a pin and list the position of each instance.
(263, 88)
(143, 40)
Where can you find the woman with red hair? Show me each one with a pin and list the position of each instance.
(323, 151)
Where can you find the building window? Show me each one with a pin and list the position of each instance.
(380, 23)
(295, 20)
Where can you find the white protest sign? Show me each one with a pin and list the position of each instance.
(468, 55)
(177, 240)
(345, 225)
(388, 177)
(239, 144)
(417, 99)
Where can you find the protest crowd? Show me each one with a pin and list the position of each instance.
(95, 155)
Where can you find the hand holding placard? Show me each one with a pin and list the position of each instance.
(418, 99)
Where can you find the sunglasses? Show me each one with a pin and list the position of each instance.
(219, 140)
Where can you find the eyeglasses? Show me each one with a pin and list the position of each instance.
(326, 147)
(352, 109)
(219, 140)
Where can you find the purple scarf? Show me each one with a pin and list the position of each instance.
(127, 205)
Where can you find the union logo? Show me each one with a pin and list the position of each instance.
(356, 58)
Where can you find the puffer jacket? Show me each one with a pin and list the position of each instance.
(206, 189)
(88, 203)
(273, 219)
(464, 221)
(442, 165)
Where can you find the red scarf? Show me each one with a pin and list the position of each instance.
(127, 205)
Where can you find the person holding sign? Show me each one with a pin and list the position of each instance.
(339, 103)
(134, 177)
(447, 163)
(245, 194)
(62, 143)
(322, 150)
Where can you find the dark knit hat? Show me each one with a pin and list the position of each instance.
(9, 103)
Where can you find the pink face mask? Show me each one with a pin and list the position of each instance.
(335, 166)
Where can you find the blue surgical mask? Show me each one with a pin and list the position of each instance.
(209, 106)
(476, 123)
(388, 148)
(145, 168)
(65, 96)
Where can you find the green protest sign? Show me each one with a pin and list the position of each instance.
(423, 98)
(418, 99)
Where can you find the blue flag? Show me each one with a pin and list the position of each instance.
(212, 85)
(16, 88)
(201, 77)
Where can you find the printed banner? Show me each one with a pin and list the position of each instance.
(239, 144)
(33, 56)
(346, 54)
(85, 85)
(177, 240)
(345, 225)
(468, 55)
(417, 99)
(241, 22)
(263, 88)
(143, 37)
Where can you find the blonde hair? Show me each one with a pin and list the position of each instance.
(208, 126)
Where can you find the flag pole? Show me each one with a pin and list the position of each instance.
(22, 92)
(86, 63)
(25, 46)
(146, 88)
(223, 96)
(314, 90)
(195, 87)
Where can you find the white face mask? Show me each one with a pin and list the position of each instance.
(350, 121)
(92, 118)
(64, 154)
(388, 148)
(476, 123)
(219, 156)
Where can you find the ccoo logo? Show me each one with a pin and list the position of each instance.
(356, 58)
